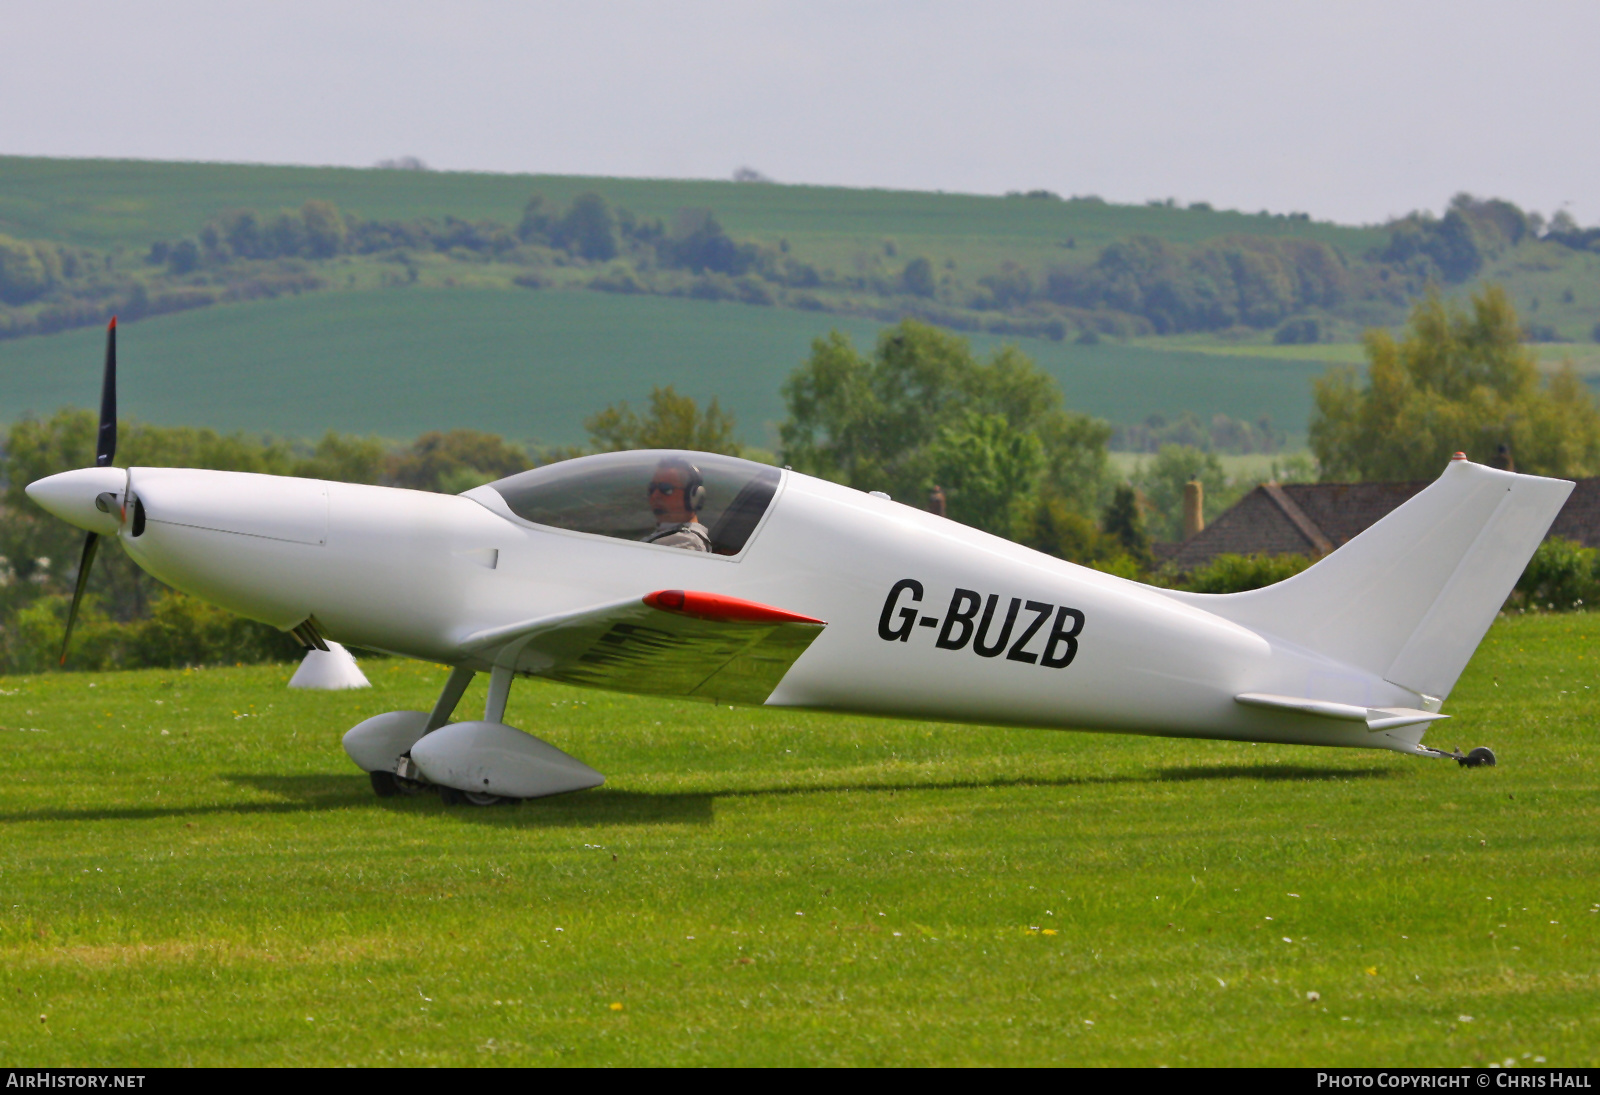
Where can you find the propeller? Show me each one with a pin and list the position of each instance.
(105, 451)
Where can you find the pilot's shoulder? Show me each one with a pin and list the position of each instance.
(691, 536)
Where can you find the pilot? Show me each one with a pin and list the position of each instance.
(676, 493)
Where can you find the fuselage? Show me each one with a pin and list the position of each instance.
(927, 618)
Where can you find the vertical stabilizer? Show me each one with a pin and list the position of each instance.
(1411, 597)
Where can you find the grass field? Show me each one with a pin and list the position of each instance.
(194, 874)
(531, 365)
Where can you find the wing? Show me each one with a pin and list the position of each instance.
(670, 643)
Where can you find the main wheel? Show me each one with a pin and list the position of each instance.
(384, 785)
(478, 798)
(451, 797)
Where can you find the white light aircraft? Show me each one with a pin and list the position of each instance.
(765, 586)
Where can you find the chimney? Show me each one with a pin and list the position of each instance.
(1194, 516)
(936, 501)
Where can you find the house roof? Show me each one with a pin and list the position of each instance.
(1315, 518)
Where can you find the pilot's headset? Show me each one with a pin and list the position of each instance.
(694, 489)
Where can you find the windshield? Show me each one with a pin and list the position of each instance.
(611, 495)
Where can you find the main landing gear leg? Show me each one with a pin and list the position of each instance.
(450, 698)
(494, 710)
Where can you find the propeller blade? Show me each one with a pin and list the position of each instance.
(106, 446)
(89, 545)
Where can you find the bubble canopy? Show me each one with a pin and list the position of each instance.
(607, 495)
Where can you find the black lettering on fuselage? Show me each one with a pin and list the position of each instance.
(1041, 613)
(981, 646)
(962, 626)
(963, 607)
(1061, 634)
(887, 629)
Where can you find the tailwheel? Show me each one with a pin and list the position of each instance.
(1481, 757)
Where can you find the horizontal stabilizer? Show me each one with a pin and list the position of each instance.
(1375, 718)
(669, 643)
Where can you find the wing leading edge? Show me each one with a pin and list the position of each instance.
(669, 643)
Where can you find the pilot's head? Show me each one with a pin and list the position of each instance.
(677, 491)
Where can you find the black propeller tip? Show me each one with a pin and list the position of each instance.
(90, 543)
(106, 441)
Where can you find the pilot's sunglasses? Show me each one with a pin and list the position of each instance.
(663, 488)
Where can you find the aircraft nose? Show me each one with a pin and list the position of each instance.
(75, 497)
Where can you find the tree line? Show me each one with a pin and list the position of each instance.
(1300, 288)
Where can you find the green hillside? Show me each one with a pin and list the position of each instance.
(531, 365)
(129, 203)
(269, 294)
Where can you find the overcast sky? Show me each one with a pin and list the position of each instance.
(1352, 111)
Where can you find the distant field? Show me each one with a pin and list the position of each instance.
(1585, 356)
(131, 203)
(531, 365)
(1236, 467)
(195, 875)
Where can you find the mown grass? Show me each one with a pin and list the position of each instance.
(532, 365)
(193, 873)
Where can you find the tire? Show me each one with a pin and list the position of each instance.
(1481, 757)
(481, 799)
(384, 785)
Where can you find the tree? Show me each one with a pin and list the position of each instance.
(454, 461)
(537, 221)
(1460, 380)
(587, 229)
(241, 231)
(325, 228)
(24, 271)
(344, 459)
(284, 236)
(1052, 526)
(1011, 286)
(183, 257)
(1251, 280)
(1124, 522)
(989, 471)
(883, 422)
(673, 422)
(918, 278)
(699, 243)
